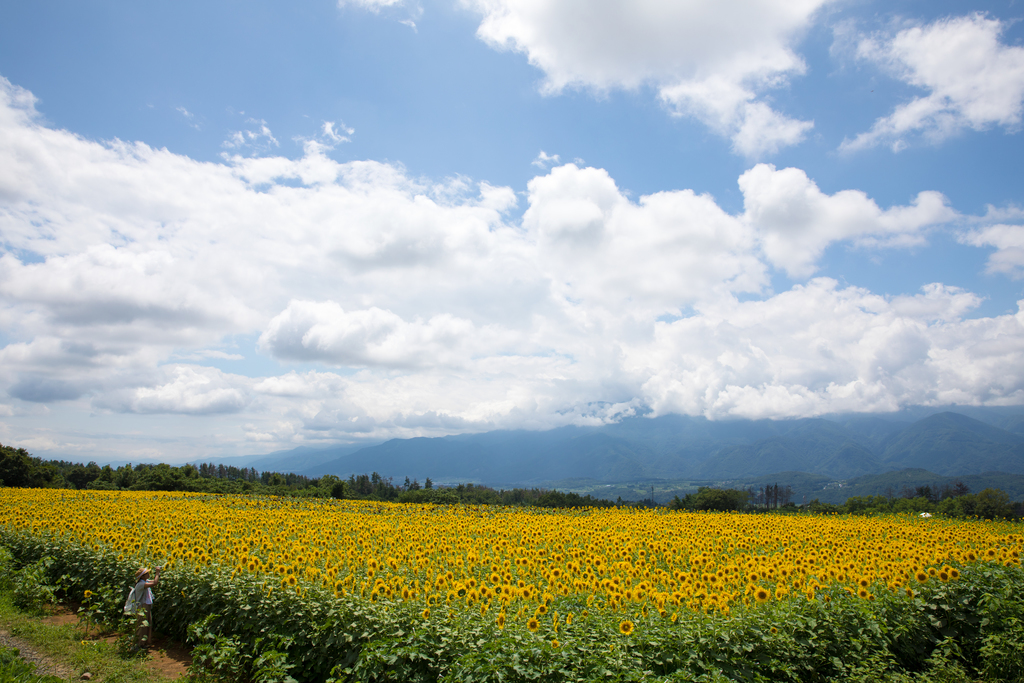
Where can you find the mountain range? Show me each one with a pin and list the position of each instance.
(969, 441)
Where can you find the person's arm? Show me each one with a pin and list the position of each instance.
(156, 578)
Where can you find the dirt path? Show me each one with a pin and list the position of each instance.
(167, 659)
(45, 665)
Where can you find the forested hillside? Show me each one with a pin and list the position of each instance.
(682, 447)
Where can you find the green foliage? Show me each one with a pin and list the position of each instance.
(19, 468)
(431, 495)
(817, 507)
(472, 494)
(708, 498)
(7, 569)
(14, 669)
(244, 629)
(32, 588)
(102, 606)
(987, 504)
(219, 658)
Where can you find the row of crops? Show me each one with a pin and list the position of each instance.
(322, 590)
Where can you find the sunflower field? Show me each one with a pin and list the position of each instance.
(317, 590)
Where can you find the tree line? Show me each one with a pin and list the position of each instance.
(955, 500)
(952, 500)
(19, 468)
(767, 497)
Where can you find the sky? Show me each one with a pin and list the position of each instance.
(241, 227)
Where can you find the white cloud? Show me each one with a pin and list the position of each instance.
(499, 199)
(973, 81)
(710, 60)
(731, 109)
(189, 117)
(641, 258)
(545, 160)
(796, 221)
(820, 349)
(336, 132)
(186, 389)
(412, 7)
(210, 353)
(372, 5)
(424, 308)
(312, 331)
(1009, 243)
(258, 139)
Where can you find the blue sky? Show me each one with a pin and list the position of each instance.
(233, 228)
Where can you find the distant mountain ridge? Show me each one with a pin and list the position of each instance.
(679, 447)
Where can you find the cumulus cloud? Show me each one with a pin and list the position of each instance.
(796, 221)
(973, 81)
(646, 258)
(389, 306)
(323, 331)
(184, 389)
(819, 349)
(1008, 241)
(710, 60)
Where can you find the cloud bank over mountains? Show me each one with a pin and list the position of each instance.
(411, 307)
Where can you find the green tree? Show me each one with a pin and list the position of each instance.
(708, 498)
(993, 504)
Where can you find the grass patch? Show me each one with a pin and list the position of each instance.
(66, 645)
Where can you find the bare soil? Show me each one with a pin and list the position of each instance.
(167, 659)
(45, 665)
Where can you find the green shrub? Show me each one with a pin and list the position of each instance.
(32, 589)
(7, 569)
(218, 658)
(101, 607)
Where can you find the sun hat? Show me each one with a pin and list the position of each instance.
(142, 571)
